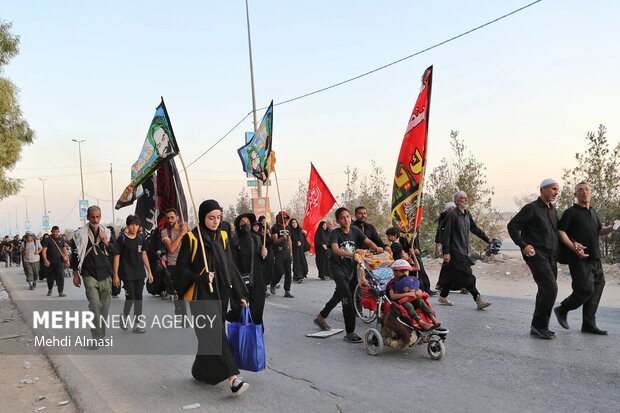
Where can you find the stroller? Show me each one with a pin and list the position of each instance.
(394, 328)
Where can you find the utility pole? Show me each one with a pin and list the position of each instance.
(79, 142)
(348, 172)
(45, 221)
(16, 223)
(27, 222)
(259, 184)
(112, 187)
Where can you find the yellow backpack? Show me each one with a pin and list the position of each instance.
(193, 246)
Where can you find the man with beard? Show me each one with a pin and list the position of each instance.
(534, 229)
(579, 230)
(91, 247)
(455, 246)
(361, 218)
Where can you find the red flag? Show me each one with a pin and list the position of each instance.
(318, 203)
(411, 165)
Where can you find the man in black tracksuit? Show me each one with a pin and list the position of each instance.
(534, 230)
(579, 231)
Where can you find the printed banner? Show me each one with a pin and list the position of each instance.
(255, 154)
(159, 145)
(411, 165)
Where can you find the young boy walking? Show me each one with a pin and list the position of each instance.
(129, 265)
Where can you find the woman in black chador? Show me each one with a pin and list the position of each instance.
(193, 283)
(322, 249)
(300, 246)
(249, 256)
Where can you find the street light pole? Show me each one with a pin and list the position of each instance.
(44, 204)
(16, 223)
(112, 188)
(79, 142)
(80, 153)
(26, 199)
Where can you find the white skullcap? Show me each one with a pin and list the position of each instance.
(547, 182)
(449, 205)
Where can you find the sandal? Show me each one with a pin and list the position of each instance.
(322, 324)
(352, 338)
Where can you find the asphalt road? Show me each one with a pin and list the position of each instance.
(491, 364)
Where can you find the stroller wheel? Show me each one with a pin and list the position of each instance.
(373, 342)
(367, 316)
(436, 349)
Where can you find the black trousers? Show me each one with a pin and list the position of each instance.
(282, 265)
(425, 283)
(458, 273)
(545, 272)
(343, 292)
(588, 283)
(133, 296)
(56, 272)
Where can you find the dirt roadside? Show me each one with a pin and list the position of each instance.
(28, 382)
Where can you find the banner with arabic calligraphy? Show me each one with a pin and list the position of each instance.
(411, 164)
(318, 203)
(159, 145)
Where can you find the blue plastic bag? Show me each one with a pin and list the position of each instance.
(247, 343)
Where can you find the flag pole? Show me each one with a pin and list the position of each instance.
(265, 229)
(202, 245)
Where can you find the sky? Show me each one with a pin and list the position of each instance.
(522, 92)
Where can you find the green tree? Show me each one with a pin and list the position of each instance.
(296, 207)
(14, 130)
(461, 172)
(372, 192)
(599, 166)
(242, 206)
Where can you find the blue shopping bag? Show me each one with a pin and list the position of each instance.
(247, 343)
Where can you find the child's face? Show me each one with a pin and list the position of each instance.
(391, 238)
(133, 229)
(400, 273)
(344, 219)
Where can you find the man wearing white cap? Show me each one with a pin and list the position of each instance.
(535, 230)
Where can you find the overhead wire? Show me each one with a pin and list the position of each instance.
(332, 86)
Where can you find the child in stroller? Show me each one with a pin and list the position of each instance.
(405, 290)
(396, 328)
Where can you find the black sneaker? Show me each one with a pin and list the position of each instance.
(287, 294)
(239, 386)
(139, 330)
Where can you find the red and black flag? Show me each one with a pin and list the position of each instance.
(411, 164)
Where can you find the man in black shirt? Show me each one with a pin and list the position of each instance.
(534, 230)
(6, 247)
(16, 246)
(283, 257)
(55, 259)
(579, 231)
(91, 248)
(455, 246)
(361, 216)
